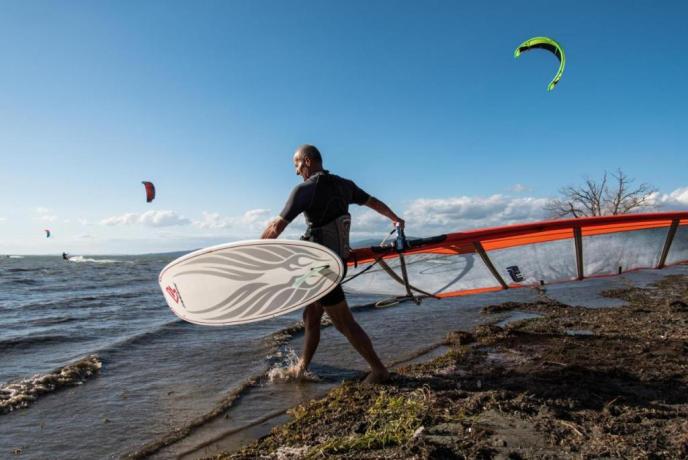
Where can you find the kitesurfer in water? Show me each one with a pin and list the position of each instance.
(324, 199)
(65, 256)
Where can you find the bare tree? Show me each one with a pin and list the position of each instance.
(601, 198)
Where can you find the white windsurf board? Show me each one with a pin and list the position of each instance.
(248, 281)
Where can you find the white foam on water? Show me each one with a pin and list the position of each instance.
(15, 395)
(285, 369)
(88, 259)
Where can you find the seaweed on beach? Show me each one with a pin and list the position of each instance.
(572, 383)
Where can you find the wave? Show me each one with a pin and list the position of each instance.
(34, 340)
(50, 320)
(275, 339)
(170, 327)
(24, 281)
(15, 395)
(100, 300)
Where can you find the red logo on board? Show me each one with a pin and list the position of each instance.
(173, 293)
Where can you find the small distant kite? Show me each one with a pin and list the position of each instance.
(47, 233)
(150, 191)
(550, 45)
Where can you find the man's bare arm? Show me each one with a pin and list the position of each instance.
(378, 206)
(274, 228)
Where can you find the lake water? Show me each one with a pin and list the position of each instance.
(163, 387)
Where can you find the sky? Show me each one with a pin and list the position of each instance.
(422, 104)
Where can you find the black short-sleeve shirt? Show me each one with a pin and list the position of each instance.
(322, 198)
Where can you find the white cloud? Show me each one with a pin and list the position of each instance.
(678, 199)
(3, 219)
(250, 221)
(256, 216)
(125, 219)
(149, 219)
(452, 214)
(368, 221)
(427, 216)
(430, 216)
(424, 217)
(213, 220)
(162, 219)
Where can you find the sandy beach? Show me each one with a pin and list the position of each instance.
(574, 382)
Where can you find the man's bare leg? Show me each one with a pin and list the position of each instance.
(311, 325)
(345, 323)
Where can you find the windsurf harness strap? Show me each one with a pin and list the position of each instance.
(333, 235)
(312, 271)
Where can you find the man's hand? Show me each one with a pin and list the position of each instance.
(274, 229)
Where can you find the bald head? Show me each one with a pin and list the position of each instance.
(311, 152)
(307, 161)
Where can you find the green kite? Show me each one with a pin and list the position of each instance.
(549, 45)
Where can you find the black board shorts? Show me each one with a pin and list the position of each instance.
(336, 295)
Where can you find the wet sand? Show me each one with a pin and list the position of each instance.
(574, 382)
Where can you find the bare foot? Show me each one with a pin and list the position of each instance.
(377, 377)
(297, 371)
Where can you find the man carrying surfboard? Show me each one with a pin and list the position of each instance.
(324, 199)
